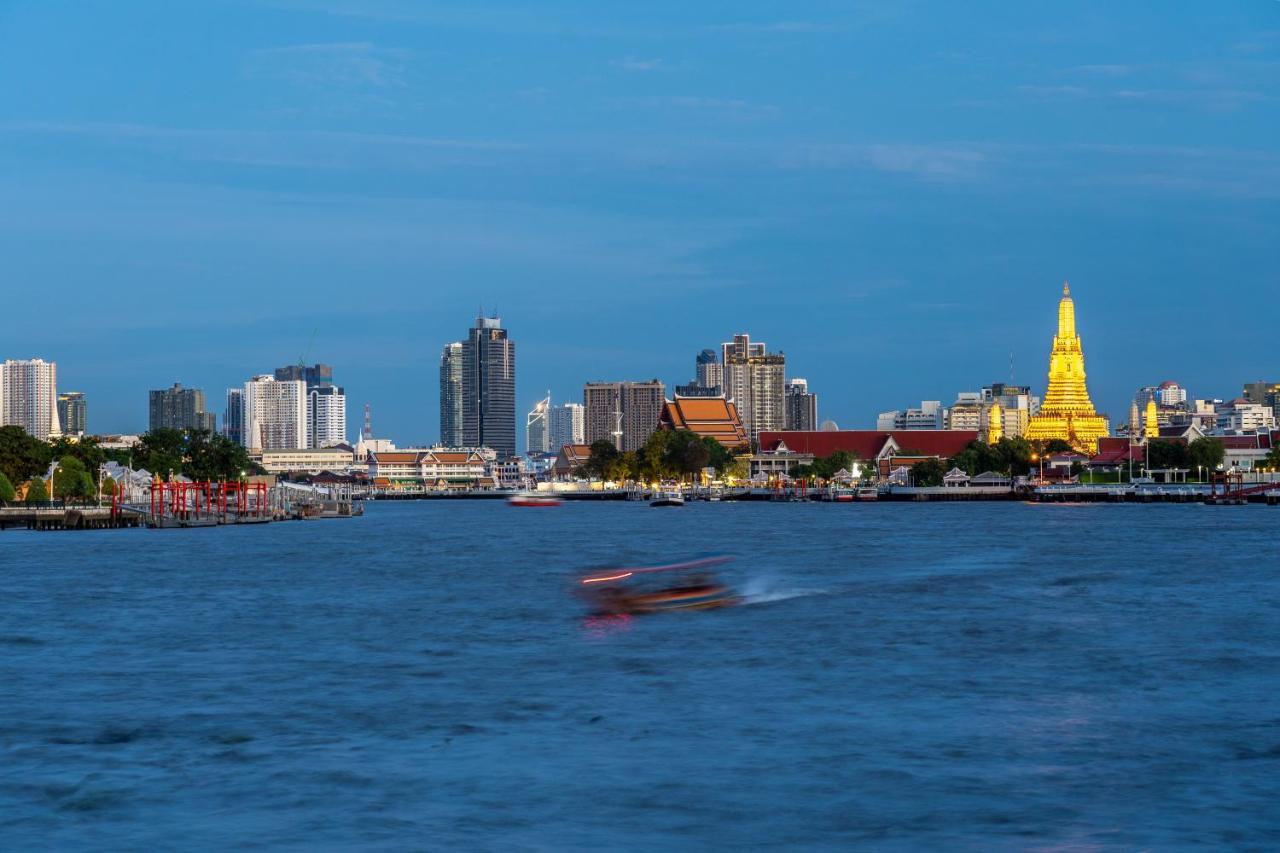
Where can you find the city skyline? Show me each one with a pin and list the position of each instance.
(319, 377)
(364, 179)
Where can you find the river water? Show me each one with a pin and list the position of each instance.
(903, 676)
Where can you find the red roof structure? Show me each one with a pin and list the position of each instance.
(871, 444)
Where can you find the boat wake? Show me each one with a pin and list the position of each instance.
(768, 590)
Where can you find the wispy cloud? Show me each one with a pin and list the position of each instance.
(634, 64)
(347, 64)
(774, 27)
(948, 162)
(720, 106)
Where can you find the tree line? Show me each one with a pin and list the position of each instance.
(197, 454)
(665, 455)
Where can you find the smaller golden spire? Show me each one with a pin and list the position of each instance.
(995, 424)
(1153, 420)
(1066, 288)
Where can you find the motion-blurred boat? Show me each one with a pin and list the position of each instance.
(533, 499)
(667, 499)
(652, 589)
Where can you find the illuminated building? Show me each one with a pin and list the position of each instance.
(1067, 412)
(1151, 424)
(995, 424)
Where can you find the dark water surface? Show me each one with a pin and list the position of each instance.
(943, 676)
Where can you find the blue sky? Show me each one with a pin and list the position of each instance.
(891, 193)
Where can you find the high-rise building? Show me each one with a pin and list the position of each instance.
(326, 416)
(316, 375)
(72, 413)
(178, 408)
(753, 379)
(625, 413)
(489, 388)
(566, 425)
(29, 397)
(801, 406)
(710, 372)
(1067, 412)
(233, 416)
(451, 395)
(1264, 394)
(275, 414)
(537, 427)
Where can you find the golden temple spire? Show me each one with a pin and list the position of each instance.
(1152, 426)
(1066, 314)
(995, 424)
(1067, 412)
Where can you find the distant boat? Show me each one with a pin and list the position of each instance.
(667, 499)
(868, 493)
(533, 499)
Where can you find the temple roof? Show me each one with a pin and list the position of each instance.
(713, 417)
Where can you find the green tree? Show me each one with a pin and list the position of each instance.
(928, 472)
(86, 450)
(36, 491)
(160, 451)
(1207, 453)
(6, 489)
(71, 480)
(684, 453)
(1167, 453)
(1271, 460)
(652, 460)
(620, 468)
(21, 456)
(602, 454)
(1056, 445)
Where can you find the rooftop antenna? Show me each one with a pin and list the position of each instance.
(1010, 367)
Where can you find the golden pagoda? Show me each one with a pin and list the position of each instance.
(1067, 413)
(995, 424)
(1152, 427)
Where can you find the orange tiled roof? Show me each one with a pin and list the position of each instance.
(715, 417)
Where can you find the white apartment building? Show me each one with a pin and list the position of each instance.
(29, 396)
(566, 425)
(326, 416)
(1242, 416)
(754, 380)
(930, 415)
(275, 414)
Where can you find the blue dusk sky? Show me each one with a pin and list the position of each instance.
(891, 193)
